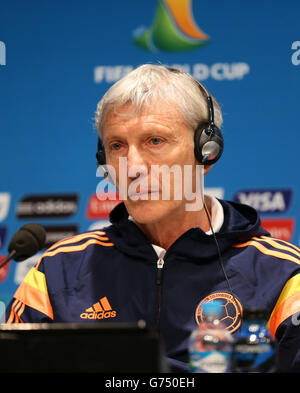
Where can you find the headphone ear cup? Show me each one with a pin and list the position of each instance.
(101, 160)
(208, 144)
(100, 155)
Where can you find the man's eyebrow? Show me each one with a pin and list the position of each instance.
(142, 133)
(112, 137)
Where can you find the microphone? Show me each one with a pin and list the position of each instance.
(27, 241)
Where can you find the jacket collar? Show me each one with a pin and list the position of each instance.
(241, 222)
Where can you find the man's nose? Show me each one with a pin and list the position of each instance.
(136, 164)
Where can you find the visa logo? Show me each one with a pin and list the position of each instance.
(265, 201)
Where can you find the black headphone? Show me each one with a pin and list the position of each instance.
(208, 139)
(100, 155)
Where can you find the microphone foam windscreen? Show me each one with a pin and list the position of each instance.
(27, 241)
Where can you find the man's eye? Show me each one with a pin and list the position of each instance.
(116, 146)
(155, 141)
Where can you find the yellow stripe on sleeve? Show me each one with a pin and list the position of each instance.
(287, 304)
(33, 292)
(37, 280)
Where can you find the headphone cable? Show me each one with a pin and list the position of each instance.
(217, 245)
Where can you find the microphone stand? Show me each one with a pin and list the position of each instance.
(8, 258)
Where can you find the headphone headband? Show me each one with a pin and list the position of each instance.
(208, 138)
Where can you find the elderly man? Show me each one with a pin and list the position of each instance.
(169, 247)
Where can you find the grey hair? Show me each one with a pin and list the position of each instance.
(151, 83)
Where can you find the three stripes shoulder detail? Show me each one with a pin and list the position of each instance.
(78, 243)
(33, 290)
(274, 247)
(17, 309)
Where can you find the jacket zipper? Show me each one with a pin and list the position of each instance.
(159, 276)
(160, 264)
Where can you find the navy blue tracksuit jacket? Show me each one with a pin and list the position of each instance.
(114, 275)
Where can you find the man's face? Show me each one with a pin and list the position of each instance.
(155, 137)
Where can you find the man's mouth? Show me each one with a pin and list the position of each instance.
(143, 194)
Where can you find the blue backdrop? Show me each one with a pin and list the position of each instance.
(57, 58)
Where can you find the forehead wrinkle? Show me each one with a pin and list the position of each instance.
(157, 118)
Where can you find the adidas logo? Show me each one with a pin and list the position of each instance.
(99, 310)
